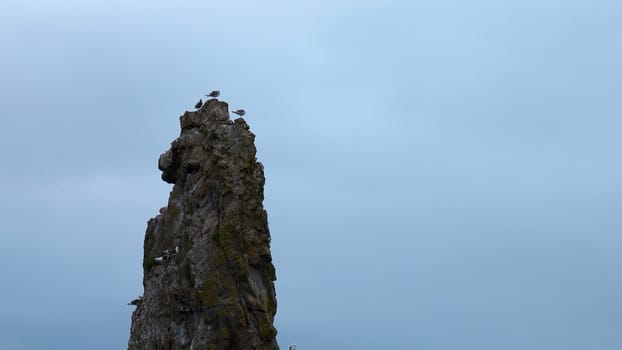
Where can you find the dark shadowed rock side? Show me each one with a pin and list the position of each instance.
(217, 291)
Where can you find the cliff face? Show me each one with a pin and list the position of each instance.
(208, 273)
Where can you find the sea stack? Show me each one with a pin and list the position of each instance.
(217, 292)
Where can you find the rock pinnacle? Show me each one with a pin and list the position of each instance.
(216, 291)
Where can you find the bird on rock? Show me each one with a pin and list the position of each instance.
(239, 112)
(214, 94)
(136, 301)
(199, 104)
(161, 259)
(170, 252)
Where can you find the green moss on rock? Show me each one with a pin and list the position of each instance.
(148, 263)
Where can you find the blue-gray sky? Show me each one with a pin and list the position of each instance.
(440, 174)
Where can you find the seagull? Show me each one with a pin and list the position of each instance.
(214, 94)
(162, 258)
(239, 112)
(169, 252)
(136, 301)
(293, 347)
(199, 104)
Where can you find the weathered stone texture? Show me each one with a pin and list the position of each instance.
(217, 293)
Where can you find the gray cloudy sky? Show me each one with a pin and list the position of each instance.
(440, 174)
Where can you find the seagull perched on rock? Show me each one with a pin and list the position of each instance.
(136, 301)
(169, 252)
(199, 104)
(239, 112)
(162, 258)
(214, 94)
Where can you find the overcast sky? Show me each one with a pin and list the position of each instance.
(440, 174)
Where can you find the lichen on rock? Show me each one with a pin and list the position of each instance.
(218, 291)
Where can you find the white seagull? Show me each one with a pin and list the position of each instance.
(239, 112)
(171, 251)
(162, 258)
(214, 94)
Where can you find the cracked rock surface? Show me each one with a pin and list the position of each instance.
(217, 290)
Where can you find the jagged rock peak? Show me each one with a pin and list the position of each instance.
(208, 273)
